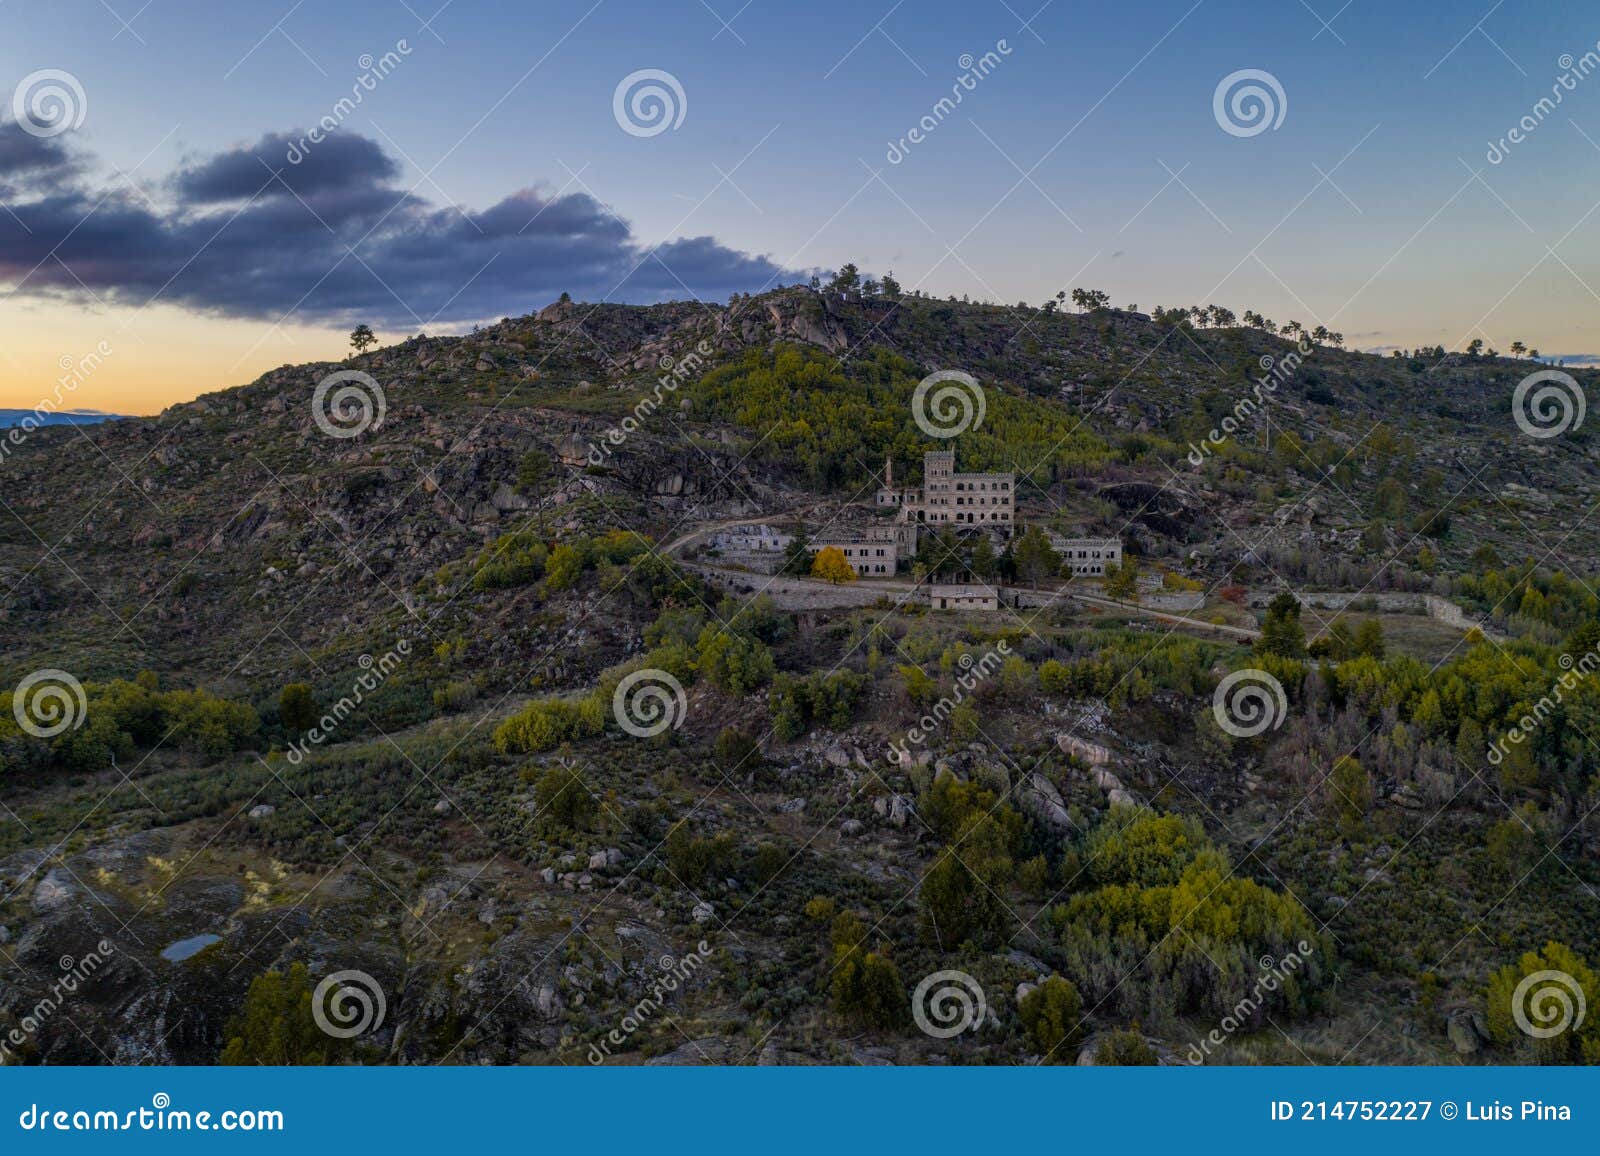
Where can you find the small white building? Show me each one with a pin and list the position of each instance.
(751, 540)
(963, 596)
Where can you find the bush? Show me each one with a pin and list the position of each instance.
(1566, 983)
(563, 799)
(1051, 1014)
(1127, 1049)
(297, 708)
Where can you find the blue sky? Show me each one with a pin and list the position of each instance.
(1089, 155)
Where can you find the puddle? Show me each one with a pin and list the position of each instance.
(184, 948)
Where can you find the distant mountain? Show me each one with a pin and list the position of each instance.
(11, 417)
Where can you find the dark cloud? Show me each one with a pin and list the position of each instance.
(280, 164)
(24, 156)
(334, 239)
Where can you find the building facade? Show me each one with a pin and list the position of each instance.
(963, 596)
(1088, 557)
(947, 497)
(751, 540)
(872, 551)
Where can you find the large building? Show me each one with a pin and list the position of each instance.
(1088, 557)
(948, 497)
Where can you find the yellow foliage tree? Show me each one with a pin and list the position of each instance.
(830, 564)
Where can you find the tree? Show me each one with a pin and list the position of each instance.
(1121, 581)
(1281, 632)
(1475, 347)
(1035, 557)
(1349, 794)
(866, 984)
(831, 565)
(1565, 984)
(846, 280)
(562, 797)
(1052, 1014)
(362, 338)
(297, 708)
(532, 470)
(1518, 349)
(275, 1026)
(984, 562)
(1368, 640)
(889, 287)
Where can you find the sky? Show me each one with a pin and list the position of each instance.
(171, 225)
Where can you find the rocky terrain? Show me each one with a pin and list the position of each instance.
(231, 544)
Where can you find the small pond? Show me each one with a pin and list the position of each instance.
(184, 948)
